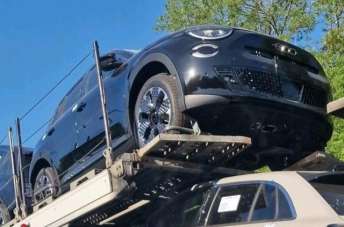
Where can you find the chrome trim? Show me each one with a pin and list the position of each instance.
(227, 33)
(201, 55)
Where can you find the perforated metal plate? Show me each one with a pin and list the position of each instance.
(203, 149)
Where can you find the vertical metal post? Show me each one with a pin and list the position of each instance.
(14, 175)
(108, 150)
(23, 206)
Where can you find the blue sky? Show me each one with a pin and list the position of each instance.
(41, 40)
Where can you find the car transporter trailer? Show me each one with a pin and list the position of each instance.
(91, 197)
(100, 197)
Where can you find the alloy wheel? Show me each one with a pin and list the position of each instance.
(154, 114)
(43, 188)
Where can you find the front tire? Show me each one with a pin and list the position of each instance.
(46, 184)
(157, 108)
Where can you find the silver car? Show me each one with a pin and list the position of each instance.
(276, 199)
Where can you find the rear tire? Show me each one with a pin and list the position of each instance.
(4, 214)
(46, 184)
(157, 108)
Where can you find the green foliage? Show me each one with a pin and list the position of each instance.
(334, 67)
(280, 18)
(333, 12)
(263, 169)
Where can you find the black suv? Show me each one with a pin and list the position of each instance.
(231, 81)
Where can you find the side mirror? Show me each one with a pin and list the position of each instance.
(109, 62)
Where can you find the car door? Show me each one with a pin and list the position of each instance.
(90, 125)
(60, 139)
(250, 204)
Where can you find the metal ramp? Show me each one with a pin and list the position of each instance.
(336, 108)
(317, 161)
(201, 149)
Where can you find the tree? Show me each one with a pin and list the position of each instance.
(332, 59)
(333, 13)
(334, 67)
(285, 19)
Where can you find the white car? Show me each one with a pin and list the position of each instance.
(276, 199)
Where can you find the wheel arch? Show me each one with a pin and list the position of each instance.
(151, 65)
(39, 164)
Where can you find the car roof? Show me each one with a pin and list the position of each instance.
(129, 51)
(279, 175)
(268, 176)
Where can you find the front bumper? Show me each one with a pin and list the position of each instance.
(270, 122)
(225, 97)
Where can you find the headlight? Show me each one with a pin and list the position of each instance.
(209, 32)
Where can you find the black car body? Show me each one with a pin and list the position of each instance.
(231, 81)
(7, 197)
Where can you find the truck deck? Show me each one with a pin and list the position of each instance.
(93, 197)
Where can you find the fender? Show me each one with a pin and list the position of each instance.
(163, 59)
(34, 163)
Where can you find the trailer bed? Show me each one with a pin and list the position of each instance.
(93, 196)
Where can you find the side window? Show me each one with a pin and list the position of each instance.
(185, 211)
(74, 94)
(233, 204)
(59, 111)
(91, 79)
(265, 207)
(249, 203)
(284, 209)
(2, 155)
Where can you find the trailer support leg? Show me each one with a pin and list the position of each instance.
(23, 207)
(108, 150)
(14, 176)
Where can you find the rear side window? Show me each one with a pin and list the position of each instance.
(74, 94)
(2, 155)
(70, 99)
(59, 111)
(185, 211)
(247, 203)
(331, 188)
(91, 80)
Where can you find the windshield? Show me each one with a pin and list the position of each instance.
(331, 188)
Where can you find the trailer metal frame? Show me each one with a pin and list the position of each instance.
(109, 185)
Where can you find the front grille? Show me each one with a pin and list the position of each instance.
(261, 82)
(314, 97)
(272, 84)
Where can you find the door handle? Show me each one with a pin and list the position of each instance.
(51, 131)
(48, 133)
(78, 107)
